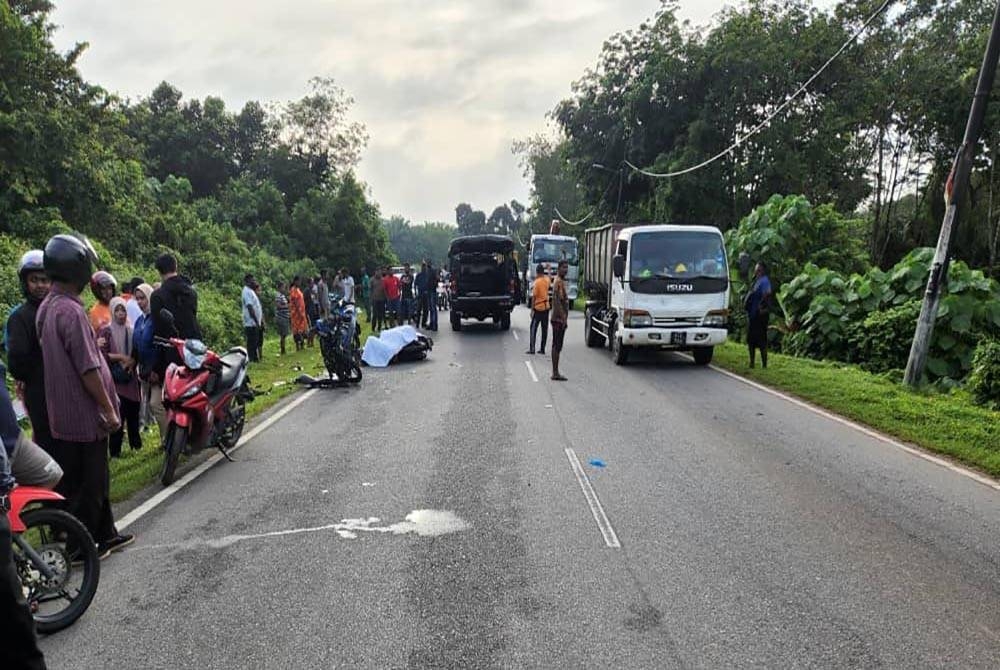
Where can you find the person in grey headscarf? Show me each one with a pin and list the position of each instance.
(115, 342)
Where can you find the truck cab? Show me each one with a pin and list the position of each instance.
(657, 287)
(548, 251)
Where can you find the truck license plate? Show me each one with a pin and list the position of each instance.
(678, 338)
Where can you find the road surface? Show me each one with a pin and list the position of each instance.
(446, 514)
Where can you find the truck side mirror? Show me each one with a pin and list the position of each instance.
(618, 264)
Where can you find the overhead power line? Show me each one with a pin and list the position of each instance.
(763, 124)
(573, 223)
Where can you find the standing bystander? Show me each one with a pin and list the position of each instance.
(80, 393)
(251, 317)
(116, 342)
(560, 317)
(539, 309)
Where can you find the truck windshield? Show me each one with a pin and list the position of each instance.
(678, 255)
(553, 251)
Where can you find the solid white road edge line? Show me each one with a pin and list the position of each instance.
(531, 371)
(610, 537)
(158, 499)
(975, 476)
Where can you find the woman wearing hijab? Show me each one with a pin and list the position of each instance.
(115, 341)
(144, 353)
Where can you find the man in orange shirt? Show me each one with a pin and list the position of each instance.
(539, 308)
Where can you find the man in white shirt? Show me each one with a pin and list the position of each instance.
(252, 318)
(347, 285)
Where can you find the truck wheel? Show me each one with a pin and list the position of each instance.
(456, 322)
(619, 351)
(505, 322)
(592, 338)
(703, 355)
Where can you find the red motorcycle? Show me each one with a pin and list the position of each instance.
(55, 557)
(205, 400)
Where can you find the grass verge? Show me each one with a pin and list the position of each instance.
(948, 424)
(273, 378)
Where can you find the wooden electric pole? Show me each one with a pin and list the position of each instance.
(957, 183)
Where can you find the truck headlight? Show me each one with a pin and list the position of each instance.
(637, 318)
(716, 319)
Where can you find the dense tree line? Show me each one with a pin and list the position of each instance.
(875, 134)
(268, 189)
(417, 243)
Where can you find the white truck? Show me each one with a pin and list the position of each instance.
(549, 250)
(656, 287)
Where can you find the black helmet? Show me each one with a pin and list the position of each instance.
(69, 258)
(102, 279)
(31, 261)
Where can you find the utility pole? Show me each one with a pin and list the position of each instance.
(957, 182)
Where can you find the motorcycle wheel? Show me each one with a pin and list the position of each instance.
(173, 447)
(66, 547)
(237, 419)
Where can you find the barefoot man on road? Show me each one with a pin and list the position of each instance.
(560, 316)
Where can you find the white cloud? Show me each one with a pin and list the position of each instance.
(444, 86)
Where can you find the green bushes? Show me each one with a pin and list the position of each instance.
(882, 341)
(984, 380)
(869, 319)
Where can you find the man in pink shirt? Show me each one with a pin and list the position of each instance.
(80, 392)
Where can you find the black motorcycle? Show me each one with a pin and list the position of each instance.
(340, 345)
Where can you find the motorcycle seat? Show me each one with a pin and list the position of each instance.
(232, 362)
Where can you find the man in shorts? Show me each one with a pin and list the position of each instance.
(559, 318)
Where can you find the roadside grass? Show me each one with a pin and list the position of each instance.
(273, 379)
(944, 423)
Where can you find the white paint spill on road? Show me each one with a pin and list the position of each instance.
(368, 483)
(420, 522)
(603, 523)
(531, 371)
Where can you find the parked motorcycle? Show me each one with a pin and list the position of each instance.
(55, 557)
(204, 398)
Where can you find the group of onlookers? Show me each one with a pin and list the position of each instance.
(395, 301)
(301, 303)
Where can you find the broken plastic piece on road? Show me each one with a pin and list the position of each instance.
(598, 463)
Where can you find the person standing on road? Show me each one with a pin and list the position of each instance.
(420, 289)
(391, 283)
(251, 317)
(116, 343)
(80, 393)
(758, 310)
(560, 318)
(378, 302)
(539, 309)
(177, 295)
(406, 301)
(432, 287)
(24, 352)
(300, 319)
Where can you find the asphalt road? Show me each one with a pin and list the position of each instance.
(750, 532)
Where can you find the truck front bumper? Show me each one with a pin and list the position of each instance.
(673, 338)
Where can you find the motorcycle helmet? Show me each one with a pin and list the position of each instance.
(102, 279)
(31, 261)
(69, 259)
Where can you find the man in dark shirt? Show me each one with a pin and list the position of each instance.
(406, 295)
(177, 295)
(24, 353)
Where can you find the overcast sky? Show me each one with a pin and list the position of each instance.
(443, 86)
